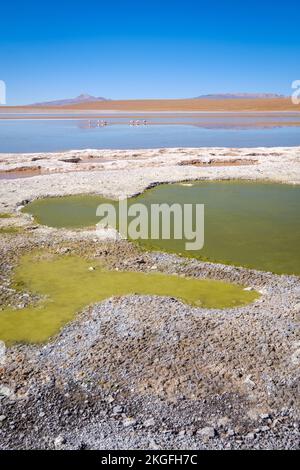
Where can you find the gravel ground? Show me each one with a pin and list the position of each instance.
(151, 372)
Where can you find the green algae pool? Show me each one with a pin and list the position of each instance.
(256, 225)
(67, 285)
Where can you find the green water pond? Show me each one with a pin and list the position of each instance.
(249, 224)
(67, 284)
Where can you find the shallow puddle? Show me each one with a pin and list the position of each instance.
(67, 284)
(256, 225)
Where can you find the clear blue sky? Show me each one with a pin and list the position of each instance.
(147, 48)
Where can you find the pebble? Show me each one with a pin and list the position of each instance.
(64, 250)
(2, 352)
(249, 382)
(297, 308)
(222, 422)
(117, 409)
(153, 445)
(149, 422)
(6, 391)
(59, 441)
(207, 432)
(129, 422)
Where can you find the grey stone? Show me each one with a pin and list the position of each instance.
(127, 422)
(117, 409)
(207, 432)
(59, 441)
(149, 422)
(265, 416)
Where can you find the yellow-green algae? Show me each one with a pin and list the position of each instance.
(10, 229)
(67, 285)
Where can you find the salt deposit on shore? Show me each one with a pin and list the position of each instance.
(120, 173)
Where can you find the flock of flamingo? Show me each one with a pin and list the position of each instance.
(102, 123)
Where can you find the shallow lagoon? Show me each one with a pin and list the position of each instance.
(51, 135)
(67, 284)
(256, 225)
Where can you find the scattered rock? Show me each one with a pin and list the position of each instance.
(249, 382)
(223, 422)
(149, 422)
(117, 409)
(59, 441)
(265, 416)
(110, 398)
(207, 432)
(23, 202)
(71, 160)
(2, 352)
(6, 391)
(297, 308)
(127, 422)
(64, 250)
(153, 445)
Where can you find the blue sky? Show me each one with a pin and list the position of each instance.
(147, 49)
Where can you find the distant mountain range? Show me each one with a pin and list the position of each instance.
(239, 96)
(83, 98)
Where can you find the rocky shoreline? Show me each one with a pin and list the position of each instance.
(144, 371)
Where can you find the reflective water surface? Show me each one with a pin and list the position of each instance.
(256, 225)
(203, 130)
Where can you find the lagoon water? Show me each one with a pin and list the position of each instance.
(67, 285)
(52, 134)
(256, 225)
